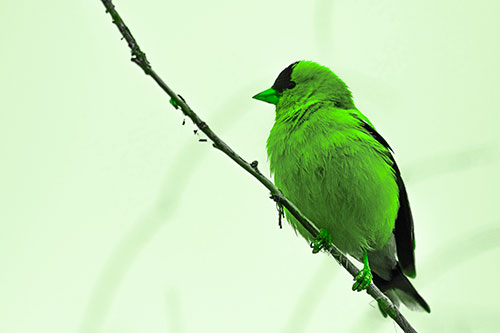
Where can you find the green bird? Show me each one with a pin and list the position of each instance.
(330, 161)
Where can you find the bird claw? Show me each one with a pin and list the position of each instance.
(363, 279)
(323, 241)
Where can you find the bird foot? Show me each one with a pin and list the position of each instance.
(323, 241)
(363, 279)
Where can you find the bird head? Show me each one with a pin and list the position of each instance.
(305, 81)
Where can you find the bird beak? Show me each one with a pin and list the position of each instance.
(270, 96)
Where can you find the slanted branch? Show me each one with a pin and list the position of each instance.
(139, 58)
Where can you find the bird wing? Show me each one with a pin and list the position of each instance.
(403, 230)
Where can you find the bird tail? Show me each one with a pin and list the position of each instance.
(399, 289)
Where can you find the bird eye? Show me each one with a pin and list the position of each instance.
(291, 85)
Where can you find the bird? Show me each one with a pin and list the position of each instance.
(331, 162)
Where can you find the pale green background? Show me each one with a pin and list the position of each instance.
(114, 218)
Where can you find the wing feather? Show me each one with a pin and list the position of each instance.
(403, 230)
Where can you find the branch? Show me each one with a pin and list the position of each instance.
(140, 59)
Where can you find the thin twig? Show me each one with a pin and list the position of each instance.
(140, 59)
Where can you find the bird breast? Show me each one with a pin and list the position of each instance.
(330, 170)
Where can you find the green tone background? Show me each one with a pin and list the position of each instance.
(114, 218)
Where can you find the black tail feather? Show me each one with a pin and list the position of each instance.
(399, 289)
